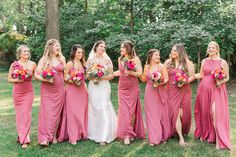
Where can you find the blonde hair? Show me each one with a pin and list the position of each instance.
(217, 47)
(48, 52)
(19, 49)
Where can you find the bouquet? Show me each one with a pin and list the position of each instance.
(180, 79)
(218, 75)
(21, 74)
(95, 72)
(48, 73)
(77, 77)
(156, 78)
(129, 65)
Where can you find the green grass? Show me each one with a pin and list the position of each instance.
(9, 146)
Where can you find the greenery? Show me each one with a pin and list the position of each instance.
(148, 23)
(9, 146)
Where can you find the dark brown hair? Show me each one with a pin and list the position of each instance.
(97, 44)
(150, 53)
(183, 57)
(129, 46)
(74, 49)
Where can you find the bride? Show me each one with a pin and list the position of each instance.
(102, 120)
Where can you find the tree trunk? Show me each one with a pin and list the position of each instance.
(85, 6)
(20, 10)
(52, 20)
(132, 17)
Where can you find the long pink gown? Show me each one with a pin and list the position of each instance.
(23, 95)
(52, 102)
(74, 123)
(207, 94)
(157, 112)
(179, 98)
(130, 121)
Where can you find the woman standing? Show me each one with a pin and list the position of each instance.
(52, 91)
(23, 92)
(155, 99)
(75, 117)
(130, 121)
(211, 107)
(179, 94)
(102, 120)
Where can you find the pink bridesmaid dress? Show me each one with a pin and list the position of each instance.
(157, 112)
(130, 121)
(52, 102)
(207, 94)
(179, 98)
(23, 95)
(74, 122)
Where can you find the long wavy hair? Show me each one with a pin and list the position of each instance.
(183, 57)
(48, 52)
(129, 46)
(74, 49)
(150, 53)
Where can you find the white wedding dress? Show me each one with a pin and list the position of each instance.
(102, 120)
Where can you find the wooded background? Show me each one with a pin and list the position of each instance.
(148, 23)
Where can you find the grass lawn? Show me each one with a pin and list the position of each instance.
(9, 146)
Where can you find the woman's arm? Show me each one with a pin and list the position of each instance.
(110, 74)
(225, 67)
(191, 71)
(66, 72)
(200, 74)
(38, 72)
(9, 77)
(143, 78)
(165, 74)
(138, 72)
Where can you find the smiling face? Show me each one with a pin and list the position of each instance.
(174, 54)
(79, 54)
(101, 48)
(156, 57)
(56, 48)
(212, 49)
(25, 53)
(123, 50)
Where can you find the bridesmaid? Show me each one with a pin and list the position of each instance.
(52, 92)
(155, 100)
(130, 121)
(23, 94)
(76, 112)
(211, 107)
(179, 96)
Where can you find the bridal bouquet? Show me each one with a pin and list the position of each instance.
(48, 73)
(77, 77)
(218, 75)
(180, 79)
(95, 72)
(21, 74)
(156, 78)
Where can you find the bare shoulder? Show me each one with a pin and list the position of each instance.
(146, 66)
(190, 63)
(167, 61)
(223, 62)
(69, 63)
(136, 59)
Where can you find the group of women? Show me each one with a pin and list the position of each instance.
(74, 112)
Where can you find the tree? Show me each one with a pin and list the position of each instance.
(52, 19)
